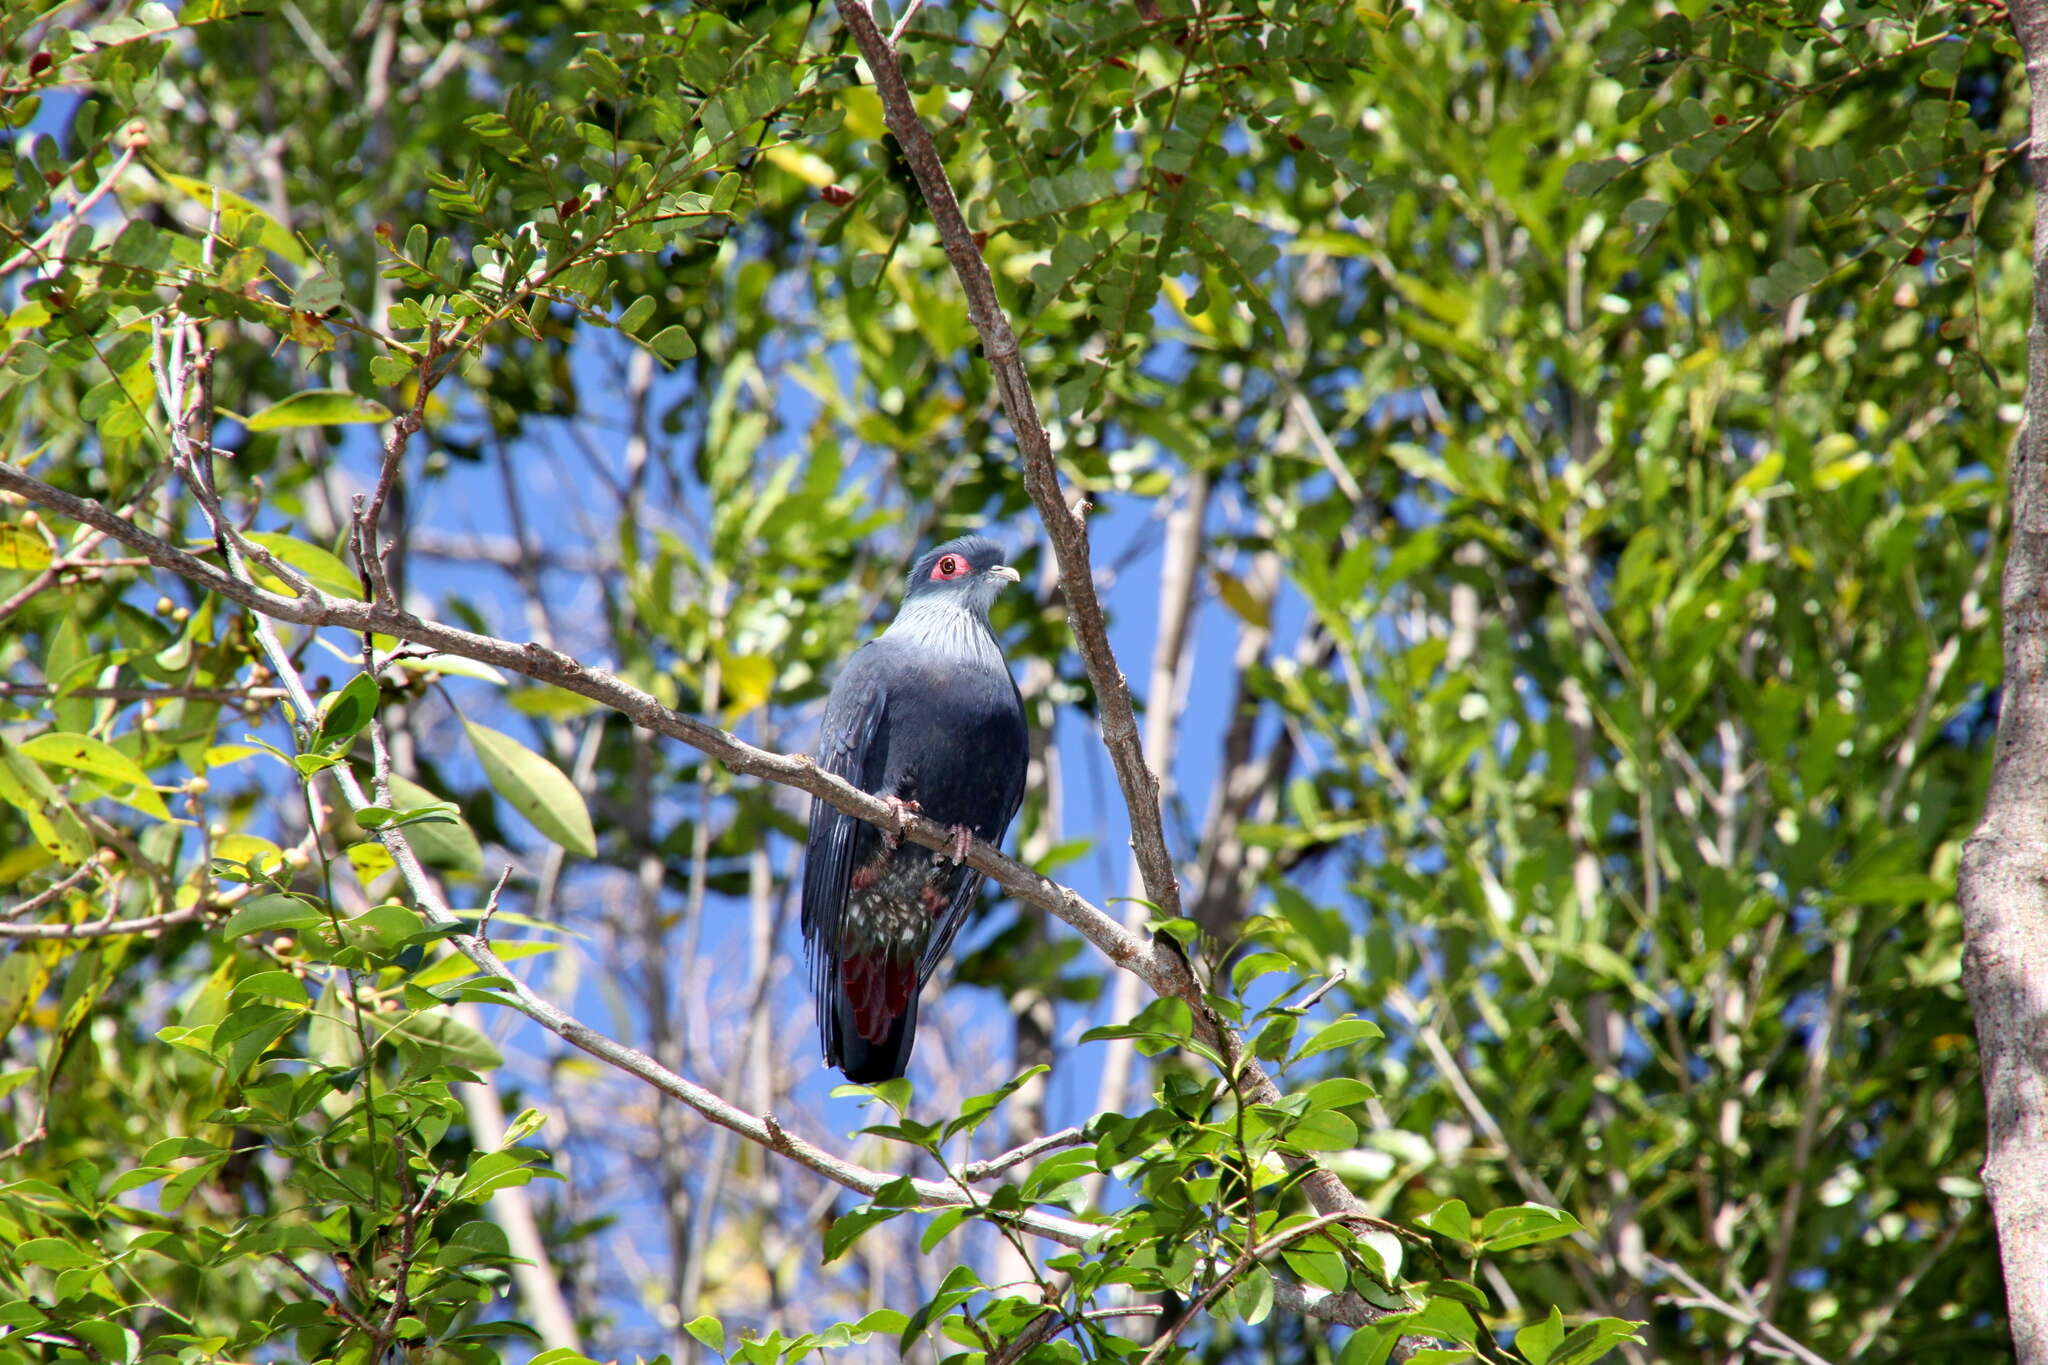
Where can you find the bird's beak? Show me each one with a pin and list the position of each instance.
(1006, 573)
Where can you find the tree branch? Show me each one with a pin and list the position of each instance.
(106, 928)
(1064, 523)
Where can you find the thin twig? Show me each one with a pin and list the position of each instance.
(996, 1165)
(51, 892)
(483, 924)
(1328, 984)
(232, 696)
(1707, 1298)
(326, 1295)
(75, 214)
(85, 544)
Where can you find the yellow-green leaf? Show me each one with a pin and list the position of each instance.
(454, 666)
(1242, 601)
(21, 548)
(749, 680)
(274, 238)
(318, 408)
(97, 758)
(326, 572)
(535, 787)
(57, 830)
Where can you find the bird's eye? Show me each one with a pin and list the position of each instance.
(948, 567)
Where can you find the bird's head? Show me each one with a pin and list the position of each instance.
(966, 573)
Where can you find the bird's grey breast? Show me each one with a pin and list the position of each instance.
(956, 733)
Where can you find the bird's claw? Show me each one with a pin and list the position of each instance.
(903, 810)
(963, 840)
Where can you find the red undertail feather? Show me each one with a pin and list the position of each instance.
(879, 987)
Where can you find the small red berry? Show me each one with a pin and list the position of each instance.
(836, 194)
(1720, 120)
(39, 63)
(1294, 141)
(1915, 256)
(570, 206)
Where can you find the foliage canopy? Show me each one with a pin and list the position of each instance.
(1556, 448)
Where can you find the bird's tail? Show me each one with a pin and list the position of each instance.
(870, 1017)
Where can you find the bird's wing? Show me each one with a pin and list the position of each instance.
(852, 743)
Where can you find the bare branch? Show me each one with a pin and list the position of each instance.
(1016, 1156)
(232, 696)
(105, 928)
(85, 545)
(51, 892)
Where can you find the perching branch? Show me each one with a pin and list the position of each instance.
(1162, 968)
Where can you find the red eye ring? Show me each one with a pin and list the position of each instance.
(949, 566)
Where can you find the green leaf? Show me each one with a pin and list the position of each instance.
(209, 194)
(636, 314)
(1586, 177)
(1322, 1130)
(493, 1171)
(345, 714)
(1342, 1033)
(270, 914)
(98, 759)
(1589, 1341)
(848, 1227)
(709, 1332)
(1451, 1218)
(1337, 1092)
(1254, 1295)
(58, 832)
(535, 787)
(529, 1122)
(318, 408)
(673, 343)
(442, 1034)
(1539, 1340)
(55, 1253)
(447, 844)
(321, 568)
(1520, 1225)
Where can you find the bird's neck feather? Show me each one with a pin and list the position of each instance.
(952, 626)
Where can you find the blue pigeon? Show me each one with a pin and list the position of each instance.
(927, 717)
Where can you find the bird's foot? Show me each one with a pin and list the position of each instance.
(963, 840)
(903, 811)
